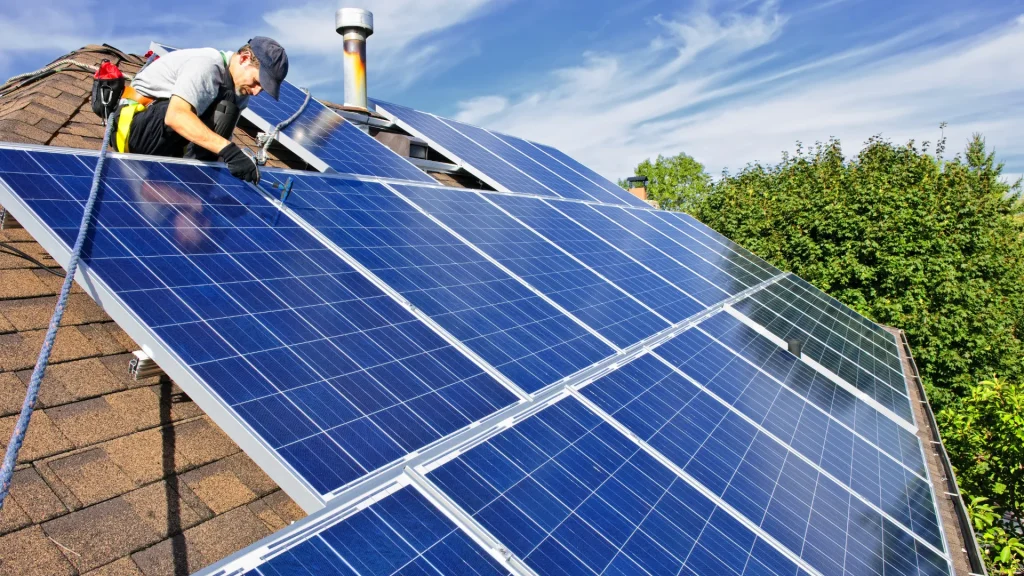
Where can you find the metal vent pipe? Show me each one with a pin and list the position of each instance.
(355, 25)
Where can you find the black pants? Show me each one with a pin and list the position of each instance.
(149, 134)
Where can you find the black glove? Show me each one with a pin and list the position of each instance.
(240, 165)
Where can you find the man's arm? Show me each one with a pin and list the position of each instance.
(181, 117)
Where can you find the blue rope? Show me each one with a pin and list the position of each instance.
(21, 427)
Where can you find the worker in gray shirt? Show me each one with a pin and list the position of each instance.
(188, 102)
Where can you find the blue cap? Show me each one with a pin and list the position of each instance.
(273, 63)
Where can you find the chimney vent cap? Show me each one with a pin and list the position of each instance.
(346, 18)
(641, 180)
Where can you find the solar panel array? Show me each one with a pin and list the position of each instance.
(502, 382)
(508, 163)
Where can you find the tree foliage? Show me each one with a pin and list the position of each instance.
(984, 435)
(678, 182)
(908, 239)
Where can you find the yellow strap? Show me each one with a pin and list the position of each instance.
(124, 124)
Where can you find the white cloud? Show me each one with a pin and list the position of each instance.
(405, 43)
(685, 92)
(478, 110)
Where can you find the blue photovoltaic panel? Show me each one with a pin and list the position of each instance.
(730, 283)
(401, 534)
(324, 133)
(723, 257)
(509, 326)
(503, 150)
(568, 174)
(700, 289)
(851, 460)
(602, 306)
(704, 233)
(475, 157)
(599, 255)
(568, 494)
(860, 371)
(829, 329)
(805, 381)
(843, 322)
(330, 373)
(609, 186)
(812, 515)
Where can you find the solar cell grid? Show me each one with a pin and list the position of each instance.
(601, 256)
(812, 515)
(401, 534)
(702, 232)
(610, 187)
(850, 460)
(334, 140)
(842, 313)
(526, 165)
(699, 288)
(569, 494)
(722, 257)
(730, 283)
(779, 319)
(330, 374)
(476, 158)
(508, 325)
(830, 328)
(602, 306)
(803, 380)
(568, 174)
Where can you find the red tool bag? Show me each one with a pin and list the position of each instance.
(107, 87)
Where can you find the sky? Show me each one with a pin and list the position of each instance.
(613, 83)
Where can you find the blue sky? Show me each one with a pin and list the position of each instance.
(613, 83)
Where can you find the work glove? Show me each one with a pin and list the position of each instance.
(240, 165)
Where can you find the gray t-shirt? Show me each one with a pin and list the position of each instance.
(196, 75)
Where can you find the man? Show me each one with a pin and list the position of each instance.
(173, 101)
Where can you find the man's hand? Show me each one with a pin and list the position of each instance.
(240, 165)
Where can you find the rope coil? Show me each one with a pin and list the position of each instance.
(32, 395)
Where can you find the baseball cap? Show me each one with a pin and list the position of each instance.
(273, 63)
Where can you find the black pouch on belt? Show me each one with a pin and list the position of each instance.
(107, 87)
(221, 117)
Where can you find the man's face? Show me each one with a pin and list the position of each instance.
(246, 77)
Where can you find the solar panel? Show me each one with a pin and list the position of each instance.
(791, 500)
(611, 311)
(569, 494)
(509, 164)
(858, 368)
(486, 382)
(273, 333)
(686, 279)
(568, 174)
(892, 435)
(690, 225)
(523, 163)
(394, 533)
(609, 186)
(510, 326)
(760, 407)
(730, 282)
(601, 256)
(323, 138)
(470, 155)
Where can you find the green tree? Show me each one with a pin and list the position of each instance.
(678, 182)
(929, 245)
(984, 435)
